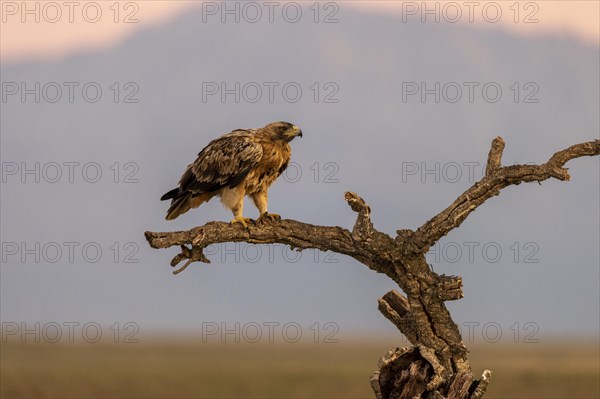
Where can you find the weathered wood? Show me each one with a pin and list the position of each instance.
(396, 309)
(436, 367)
(481, 385)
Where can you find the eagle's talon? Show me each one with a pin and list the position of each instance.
(272, 217)
(243, 221)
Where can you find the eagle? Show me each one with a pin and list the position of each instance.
(242, 162)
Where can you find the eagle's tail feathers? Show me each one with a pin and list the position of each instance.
(171, 194)
(184, 203)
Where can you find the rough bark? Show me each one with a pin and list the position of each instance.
(437, 365)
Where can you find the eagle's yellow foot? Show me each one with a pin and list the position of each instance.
(242, 220)
(272, 217)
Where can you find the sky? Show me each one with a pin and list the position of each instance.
(387, 111)
(52, 29)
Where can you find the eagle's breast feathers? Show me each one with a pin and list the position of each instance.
(274, 161)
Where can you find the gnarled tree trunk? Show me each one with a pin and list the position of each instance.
(437, 365)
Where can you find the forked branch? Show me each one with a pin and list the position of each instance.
(496, 178)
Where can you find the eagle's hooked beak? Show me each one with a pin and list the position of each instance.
(297, 131)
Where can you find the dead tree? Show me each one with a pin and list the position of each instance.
(437, 365)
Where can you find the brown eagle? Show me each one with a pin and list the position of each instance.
(242, 162)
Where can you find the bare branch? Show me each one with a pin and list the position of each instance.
(460, 386)
(395, 308)
(363, 228)
(482, 385)
(490, 185)
(494, 161)
(296, 234)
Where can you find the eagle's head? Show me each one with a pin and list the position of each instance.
(283, 131)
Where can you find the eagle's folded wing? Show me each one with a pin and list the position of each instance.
(224, 162)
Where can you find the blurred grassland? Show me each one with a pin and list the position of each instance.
(183, 368)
